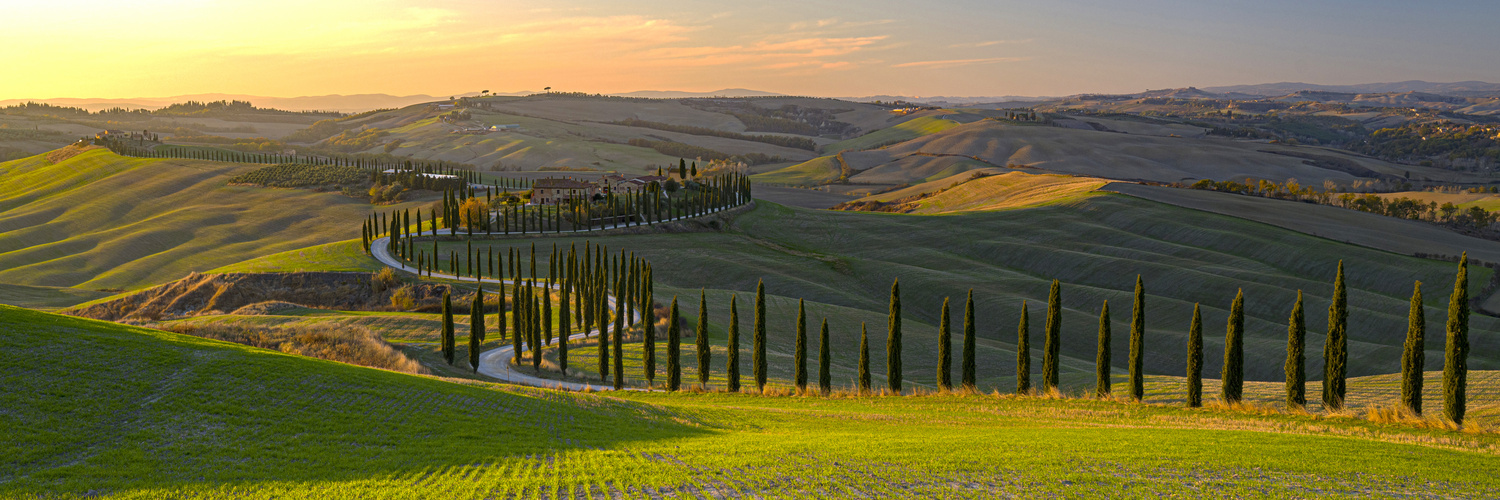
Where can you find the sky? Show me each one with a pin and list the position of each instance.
(287, 48)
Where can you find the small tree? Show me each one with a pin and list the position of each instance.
(1023, 353)
(760, 337)
(968, 363)
(825, 382)
(1195, 360)
(893, 340)
(476, 328)
(1335, 349)
(1101, 362)
(1413, 352)
(702, 338)
(1456, 352)
(1296, 371)
(1053, 345)
(864, 359)
(799, 358)
(732, 364)
(945, 357)
(674, 349)
(447, 328)
(1138, 342)
(1234, 351)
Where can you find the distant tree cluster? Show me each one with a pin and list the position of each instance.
(1405, 208)
(302, 175)
(790, 142)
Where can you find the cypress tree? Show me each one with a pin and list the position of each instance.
(1296, 372)
(968, 363)
(447, 328)
(1023, 353)
(1195, 360)
(600, 305)
(546, 330)
(800, 357)
(1413, 352)
(619, 334)
(649, 332)
(1053, 345)
(536, 331)
(1138, 342)
(732, 364)
(825, 383)
(702, 338)
(945, 356)
(516, 315)
(893, 340)
(1234, 351)
(1335, 349)
(565, 327)
(759, 353)
(864, 359)
(476, 328)
(1101, 362)
(674, 346)
(1456, 353)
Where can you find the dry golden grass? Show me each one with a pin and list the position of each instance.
(343, 343)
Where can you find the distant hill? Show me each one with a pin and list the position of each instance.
(335, 102)
(677, 94)
(1284, 88)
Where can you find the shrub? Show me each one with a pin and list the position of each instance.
(384, 279)
(402, 299)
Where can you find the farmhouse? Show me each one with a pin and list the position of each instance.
(553, 191)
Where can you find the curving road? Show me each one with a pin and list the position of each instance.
(496, 362)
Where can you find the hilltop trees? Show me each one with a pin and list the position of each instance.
(893, 340)
(1051, 348)
(1296, 372)
(1413, 352)
(1336, 348)
(1456, 353)
(1195, 360)
(1234, 351)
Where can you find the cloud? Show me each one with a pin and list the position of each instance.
(953, 63)
(990, 43)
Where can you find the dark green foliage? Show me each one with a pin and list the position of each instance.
(968, 362)
(799, 358)
(1138, 342)
(1296, 359)
(1053, 343)
(447, 328)
(601, 315)
(893, 340)
(702, 337)
(476, 328)
(619, 332)
(674, 349)
(1456, 354)
(1336, 347)
(1195, 360)
(1411, 355)
(945, 345)
(1101, 360)
(648, 334)
(289, 175)
(1023, 353)
(825, 382)
(1234, 351)
(759, 349)
(564, 324)
(732, 364)
(864, 359)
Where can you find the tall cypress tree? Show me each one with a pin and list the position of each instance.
(968, 363)
(1336, 348)
(702, 338)
(516, 315)
(825, 383)
(1413, 352)
(1101, 361)
(536, 331)
(1053, 345)
(1296, 346)
(1023, 353)
(800, 357)
(1138, 342)
(1195, 360)
(601, 314)
(565, 327)
(945, 345)
(1456, 353)
(674, 347)
(448, 328)
(864, 359)
(1234, 351)
(759, 348)
(648, 345)
(732, 363)
(476, 328)
(619, 332)
(893, 340)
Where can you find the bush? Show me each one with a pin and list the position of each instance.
(403, 300)
(299, 175)
(342, 343)
(384, 279)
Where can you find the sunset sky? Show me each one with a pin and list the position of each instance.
(97, 49)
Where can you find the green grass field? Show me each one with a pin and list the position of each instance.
(99, 220)
(112, 411)
(904, 131)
